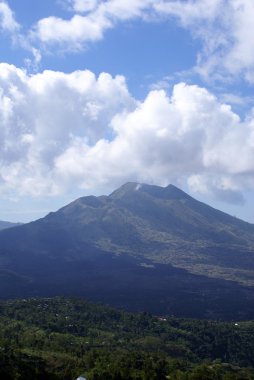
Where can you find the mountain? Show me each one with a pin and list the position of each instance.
(4, 225)
(142, 247)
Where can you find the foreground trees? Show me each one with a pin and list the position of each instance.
(62, 338)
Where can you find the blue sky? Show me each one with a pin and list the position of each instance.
(97, 93)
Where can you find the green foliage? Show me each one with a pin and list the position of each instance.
(62, 338)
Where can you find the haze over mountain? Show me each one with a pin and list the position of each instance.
(143, 247)
(4, 225)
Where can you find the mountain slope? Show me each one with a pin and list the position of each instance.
(140, 247)
(163, 225)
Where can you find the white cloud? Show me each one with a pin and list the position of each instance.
(63, 131)
(42, 115)
(7, 19)
(241, 55)
(190, 135)
(74, 31)
(100, 16)
(224, 28)
(32, 64)
(84, 5)
(190, 11)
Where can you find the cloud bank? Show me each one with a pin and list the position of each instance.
(63, 131)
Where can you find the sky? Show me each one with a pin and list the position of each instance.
(96, 93)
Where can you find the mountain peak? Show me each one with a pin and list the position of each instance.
(168, 192)
(126, 189)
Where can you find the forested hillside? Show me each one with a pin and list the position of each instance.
(63, 338)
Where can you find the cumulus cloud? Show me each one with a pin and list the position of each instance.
(82, 28)
(43, 115)
(7, 19)
(63, 131)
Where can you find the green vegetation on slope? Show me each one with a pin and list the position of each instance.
(62, 338)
